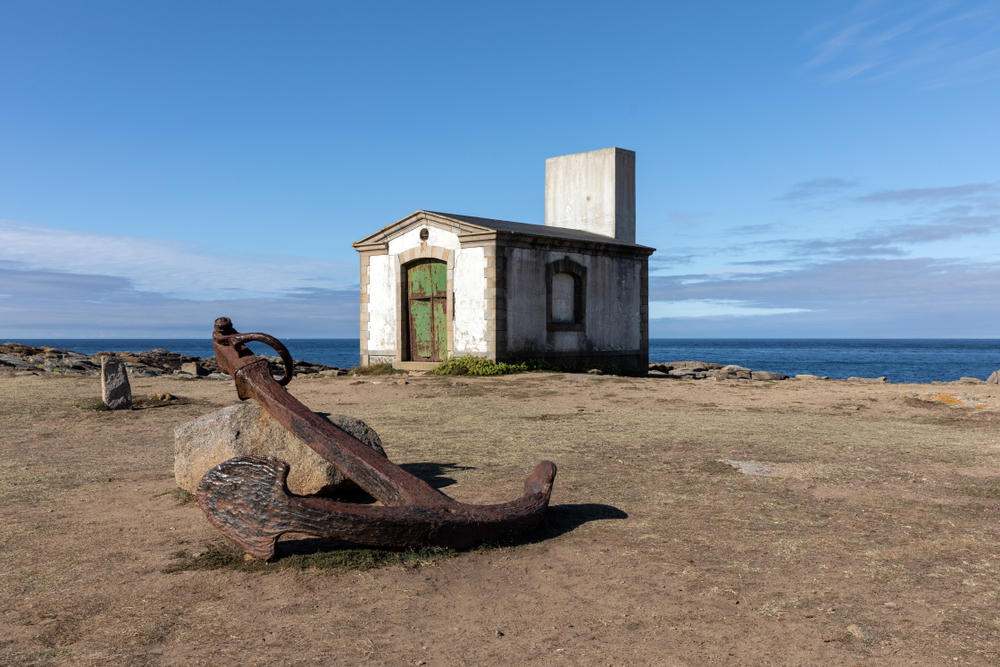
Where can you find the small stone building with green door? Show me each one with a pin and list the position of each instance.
(573, 291)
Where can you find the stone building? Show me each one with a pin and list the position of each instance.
(573, 291)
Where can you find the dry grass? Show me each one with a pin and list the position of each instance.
(874, 539)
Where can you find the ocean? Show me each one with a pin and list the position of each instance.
(919, 360)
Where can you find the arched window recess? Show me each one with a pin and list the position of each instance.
(566, 295)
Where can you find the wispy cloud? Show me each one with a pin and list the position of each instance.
(50, 304)
(928, 194)
(943, 42)
(920, 215)
(817, 187)
(868, 281)
(856, 297)
(772, 263)
(60, 283)
(180, 270)
(753, 230)
(711, 308)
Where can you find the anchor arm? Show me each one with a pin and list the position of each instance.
(248, 500)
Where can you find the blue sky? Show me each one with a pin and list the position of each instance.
(804, 169)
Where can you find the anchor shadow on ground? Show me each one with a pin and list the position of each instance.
(435, 474)
(557, 520)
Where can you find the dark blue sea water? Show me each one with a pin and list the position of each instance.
(918, 360)
(339, 352)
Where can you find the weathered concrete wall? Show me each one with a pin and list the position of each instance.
(613, 311)
(592, 192)
(382, 303)
(469, 318)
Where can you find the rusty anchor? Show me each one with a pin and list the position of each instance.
(248, 500)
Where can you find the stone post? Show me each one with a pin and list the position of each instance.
(115, 389)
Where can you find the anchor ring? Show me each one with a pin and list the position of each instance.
(235, 340)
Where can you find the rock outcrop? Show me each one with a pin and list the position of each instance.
(701, 370)
(246, 429)
(678, 370)
(152, 363)
(767, 375)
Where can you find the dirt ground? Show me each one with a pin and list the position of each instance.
(874, 540)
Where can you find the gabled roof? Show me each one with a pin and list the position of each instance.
(468, 224)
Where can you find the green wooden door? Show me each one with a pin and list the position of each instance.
(427, 300)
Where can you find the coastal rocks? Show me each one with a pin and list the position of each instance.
(194, 368)
(733, 372)
(994, 378)
(166, 361)
(115, 389)
(806, 376)
(677, 370)
(878, 380)
(10, 361)
(246, 429)
(767, 375)
(15, 357)
(332, 373)
(301, 367)
(701, 370)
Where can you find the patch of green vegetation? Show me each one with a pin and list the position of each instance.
(340, 560)
(714, 467)
(482, 366)
(96, 404)
(985, 492)
(182, 496)
(50, 654)
(376, 369)
(158, 400)
(470, 365)
(550, 417)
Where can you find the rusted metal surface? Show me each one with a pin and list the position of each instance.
(247, 498)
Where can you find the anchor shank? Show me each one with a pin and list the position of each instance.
(374, 473)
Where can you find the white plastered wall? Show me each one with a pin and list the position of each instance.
(435, 237)
(470, 302)
(382, 303)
